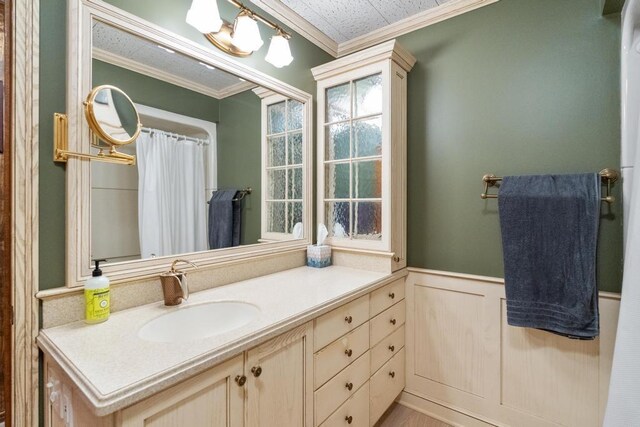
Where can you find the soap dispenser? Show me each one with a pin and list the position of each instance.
(97, 296)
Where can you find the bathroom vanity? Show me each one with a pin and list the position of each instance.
(326, 348)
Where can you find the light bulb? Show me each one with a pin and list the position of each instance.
(204, 16)
(246, 34)
(279, 54)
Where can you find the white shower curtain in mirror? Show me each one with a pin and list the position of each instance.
(171, 195)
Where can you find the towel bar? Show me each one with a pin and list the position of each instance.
(608, 176)
(243, 193)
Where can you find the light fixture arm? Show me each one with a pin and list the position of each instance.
(260, 18)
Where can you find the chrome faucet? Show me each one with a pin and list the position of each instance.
(174, 284)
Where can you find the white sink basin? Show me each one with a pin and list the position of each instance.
(198, 321)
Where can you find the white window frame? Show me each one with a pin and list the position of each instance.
(270, 98)
(382, 68)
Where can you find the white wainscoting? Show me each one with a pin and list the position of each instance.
(465, 365)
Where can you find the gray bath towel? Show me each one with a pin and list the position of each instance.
(549, 230)
(224, 219)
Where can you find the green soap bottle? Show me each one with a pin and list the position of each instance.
(96, 296)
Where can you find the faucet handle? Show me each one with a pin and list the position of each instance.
(174, 263)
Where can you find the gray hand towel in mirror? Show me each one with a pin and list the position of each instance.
(549, 226)
(221, 219)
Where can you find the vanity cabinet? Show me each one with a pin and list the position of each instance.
(359, 358)
(211, 398)
(279, 380)
(344, 368)
(270, 385)
(362, 150)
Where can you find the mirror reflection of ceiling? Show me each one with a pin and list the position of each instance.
(345, 20)
(126, 50)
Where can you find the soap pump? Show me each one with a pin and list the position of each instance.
(97, 295)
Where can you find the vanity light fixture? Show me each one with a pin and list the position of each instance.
(279, 53)
(204, 16)
(241, 38)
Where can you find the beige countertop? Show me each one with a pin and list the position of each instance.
(115, 368)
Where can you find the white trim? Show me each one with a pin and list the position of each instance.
(412, 23)
(24, 236)
(80, 15)
(147, 70)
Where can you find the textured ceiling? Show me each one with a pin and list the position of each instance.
(147, 53)
(345, 20)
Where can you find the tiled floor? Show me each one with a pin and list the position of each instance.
(401, 416)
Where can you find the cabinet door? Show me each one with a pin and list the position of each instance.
(280, 381)
(211, 399)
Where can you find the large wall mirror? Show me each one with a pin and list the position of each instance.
(223, 168)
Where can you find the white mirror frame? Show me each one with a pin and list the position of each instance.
(79, 84)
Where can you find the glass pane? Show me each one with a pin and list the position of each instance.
(338, 218)
(276, 217)
(337, 141)
(294, 190)
(276, 185)
(368, 96)
(295, 214)
(368, 221)
(338, 101)
(295, 148)
(367, 136)
(275, 122)
(367, 179)
(294, 115)
(337, 181)
(276, 146)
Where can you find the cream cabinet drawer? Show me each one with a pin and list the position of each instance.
(340, 353)
(339, 388)
(354, 412)
(338, 322)
(385, 349)
(387, 321)
(386, 385)
(385, 297)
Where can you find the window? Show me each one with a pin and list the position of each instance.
(283, 173)
(353, 159)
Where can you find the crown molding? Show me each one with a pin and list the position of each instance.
(130, 64)
(388, 50)
(391, 31)
(297, 23)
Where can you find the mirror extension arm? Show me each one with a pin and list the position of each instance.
(61, 154)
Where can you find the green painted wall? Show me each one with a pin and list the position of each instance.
(239, 156)
(167, 13)
(156, 93)
(517, 87)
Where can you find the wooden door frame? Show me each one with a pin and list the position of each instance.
(24, 222)
(5, 232)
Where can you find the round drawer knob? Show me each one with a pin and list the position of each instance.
(392, 374)
(392, 321)
(348, 419)
(392, 348)
(256, 371)
(396, 258)
(240, 380)
(348, 319)
(392, 295)
(349, 386)
(348, 352)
